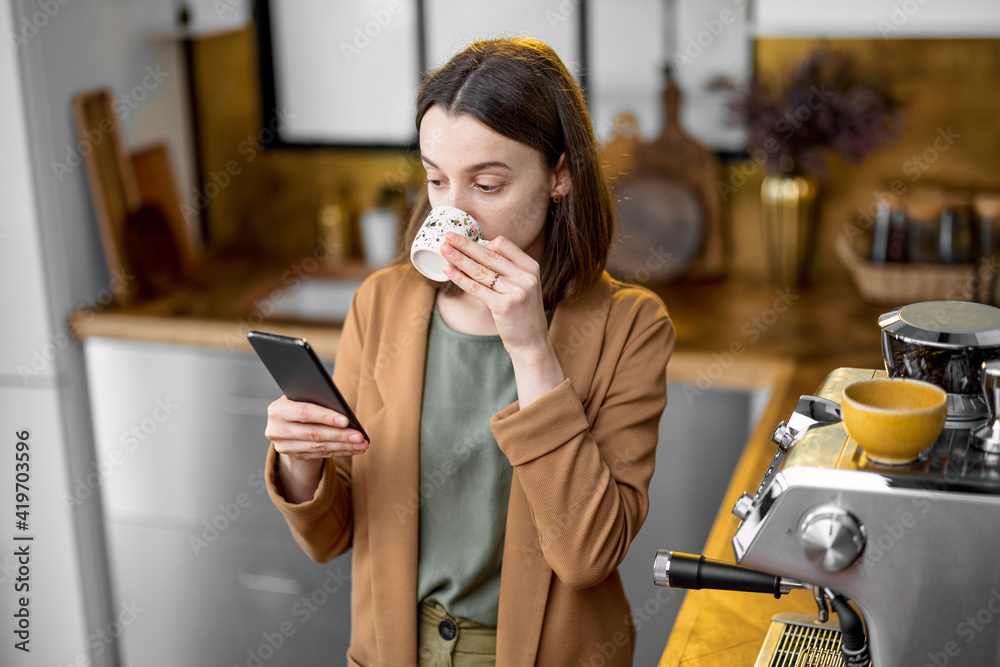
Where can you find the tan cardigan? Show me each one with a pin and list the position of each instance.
(582, 454)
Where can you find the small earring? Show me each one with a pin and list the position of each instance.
(557, 209)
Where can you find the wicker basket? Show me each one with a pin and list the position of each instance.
(900, 284)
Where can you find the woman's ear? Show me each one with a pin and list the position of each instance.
(562, 181)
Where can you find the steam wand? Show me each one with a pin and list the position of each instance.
(853, 643)
(820, 597)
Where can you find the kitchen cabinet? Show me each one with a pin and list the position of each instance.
(203, 563)
(239, 599)
(311, 53)
(878, 18)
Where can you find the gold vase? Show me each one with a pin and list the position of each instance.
(788, 218)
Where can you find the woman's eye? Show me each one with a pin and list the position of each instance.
(434, 182)
(483, 187)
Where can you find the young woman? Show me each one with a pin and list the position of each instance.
(513, 412)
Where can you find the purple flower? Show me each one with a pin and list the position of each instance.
(820, 107)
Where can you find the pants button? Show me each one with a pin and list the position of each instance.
(447, 629)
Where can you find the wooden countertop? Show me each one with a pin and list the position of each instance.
(216, 308)
(729, 334)
(817, 328)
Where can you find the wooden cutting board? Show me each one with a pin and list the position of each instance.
(136, 203)
(158, 188)
(650, 213)
(111, 178)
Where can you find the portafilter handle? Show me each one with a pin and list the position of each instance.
(988, 437)
(673, 569)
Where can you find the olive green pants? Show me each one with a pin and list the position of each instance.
(444, 640)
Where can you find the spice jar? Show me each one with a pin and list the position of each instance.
(889, 237)
(923, 225)
(987, 208)
(957, 243)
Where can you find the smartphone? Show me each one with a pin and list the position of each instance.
(298, 371)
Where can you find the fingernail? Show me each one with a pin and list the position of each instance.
(360, 447)
(356, 437)
(451, 236)
(447, 249)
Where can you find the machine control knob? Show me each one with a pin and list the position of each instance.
(743, 506)
(831, 537)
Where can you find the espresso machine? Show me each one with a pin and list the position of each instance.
(914, 546)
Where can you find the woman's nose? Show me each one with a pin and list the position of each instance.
(457, 200)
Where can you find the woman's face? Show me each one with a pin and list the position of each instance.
(498, 181)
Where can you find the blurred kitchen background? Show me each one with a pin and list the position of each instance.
(177, 174)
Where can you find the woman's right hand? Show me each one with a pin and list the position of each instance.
(304, 434)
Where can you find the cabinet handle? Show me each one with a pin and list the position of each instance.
(269, 583)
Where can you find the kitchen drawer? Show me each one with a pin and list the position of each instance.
(238, 602)
(179, 431)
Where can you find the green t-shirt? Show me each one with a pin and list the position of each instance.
(464, 477)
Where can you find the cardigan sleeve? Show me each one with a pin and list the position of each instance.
(587, 485)
(324, 525)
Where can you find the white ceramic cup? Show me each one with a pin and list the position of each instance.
(425, 253)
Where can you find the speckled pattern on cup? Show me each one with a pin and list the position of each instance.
(425, 253)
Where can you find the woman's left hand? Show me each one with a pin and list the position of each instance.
(507, 280)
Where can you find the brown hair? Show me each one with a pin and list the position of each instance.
(520, 88)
